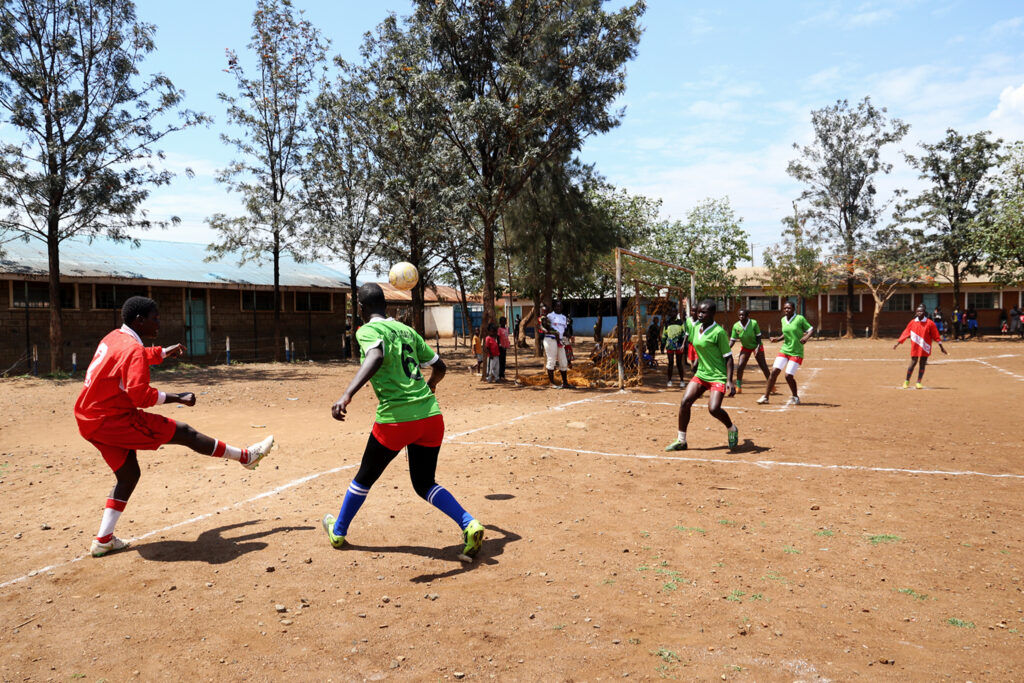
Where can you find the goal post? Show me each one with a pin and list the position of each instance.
(619, 253)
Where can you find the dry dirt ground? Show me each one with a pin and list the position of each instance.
(871, 533)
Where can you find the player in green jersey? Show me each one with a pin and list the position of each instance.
(673, 338)
(408, 416)
(748, 334)
(714, 372)
(795, 333)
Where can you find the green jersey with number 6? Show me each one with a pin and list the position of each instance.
(403, 393)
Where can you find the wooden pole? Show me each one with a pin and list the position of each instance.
(618, 315)
(637, 348)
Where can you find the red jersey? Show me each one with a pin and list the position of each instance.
(117, 381)
(922, 334)
(492, 346)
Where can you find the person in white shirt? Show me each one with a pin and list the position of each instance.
(553, 327)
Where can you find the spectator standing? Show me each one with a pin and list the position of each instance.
(653, 335)
(552, 324)
(492, 351)
(972, 321)
(940, 324)
(1016, 324)
(478, 351)
(958, 323)
(503, 343)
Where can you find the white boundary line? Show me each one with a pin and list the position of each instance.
(503, 423)
(191, 520)
(756, 463)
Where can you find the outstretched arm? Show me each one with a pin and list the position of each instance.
(437, 372)
(371, 364)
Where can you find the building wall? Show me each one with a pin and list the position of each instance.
(316, 334)
(439, 320)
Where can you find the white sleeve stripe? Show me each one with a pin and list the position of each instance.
(379, 342)
(431, 361)
(161, 398)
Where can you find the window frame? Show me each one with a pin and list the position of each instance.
(13, 288)
(859, 307)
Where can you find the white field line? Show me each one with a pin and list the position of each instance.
(930, 362)
(191, 520)
(767, 464)
(505, 423)
(801, 388)
(1017, 377)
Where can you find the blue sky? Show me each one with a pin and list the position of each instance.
(716, 97)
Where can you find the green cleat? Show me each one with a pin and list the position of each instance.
(336, 541)
(676, 445)
(473, 535)
(734, 438)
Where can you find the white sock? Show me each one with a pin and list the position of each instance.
(111, 513)
(223, 450)
(682, 437)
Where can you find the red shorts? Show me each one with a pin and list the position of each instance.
(791, 359)
(759, 349)
(691, 353)
(713, 386)
(395, 436)
(143, 431)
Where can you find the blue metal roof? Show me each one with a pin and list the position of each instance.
(159, 260)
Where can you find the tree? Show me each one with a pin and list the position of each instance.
(1004, 230)
(337, 192)
(270, 109)
(78, 157)
(520, 82)
(795, 267)
(711, 242)
(893, 260)
(459, 253)
(954, 209)
(416, 175)
(839, 168)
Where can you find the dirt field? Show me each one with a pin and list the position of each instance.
(871, 533)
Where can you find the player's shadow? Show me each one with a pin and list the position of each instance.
(492, 548)
(211, 546)
(499, 496)
(817, 404)
(747, 446)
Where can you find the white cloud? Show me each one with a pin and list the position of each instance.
(1013, 25)
(1007, 120)
(869, 18)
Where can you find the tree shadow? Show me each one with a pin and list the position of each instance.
(211, 547)
(492, 548)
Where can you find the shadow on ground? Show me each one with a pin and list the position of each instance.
(211, 546)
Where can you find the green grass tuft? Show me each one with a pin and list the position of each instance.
(960, 623)
(884, 538)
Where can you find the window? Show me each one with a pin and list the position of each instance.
(39, 295)
(982, 300)
(837, 303)
(762, 303)
(899, 302)
(114, 296)
(312, 301)
(257, 301)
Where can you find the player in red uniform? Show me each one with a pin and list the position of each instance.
(922, 333)
(109, 415)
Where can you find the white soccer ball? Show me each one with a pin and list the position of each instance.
(403, 275)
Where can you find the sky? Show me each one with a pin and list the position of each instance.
(716, 97)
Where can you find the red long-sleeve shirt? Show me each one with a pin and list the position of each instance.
(922, 334)
(117, 381)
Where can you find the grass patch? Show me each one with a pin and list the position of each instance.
(645, 534)
(735, 596)
(667, 656)
(959, 623)
(912, 593)
(757, 596)
(726, 522)
(691, 529)
(558, 627)
(609, 581)
(884, 538)
(773, 576)
(670, 586)
(825, 532)
(643, 568)
(790, 550)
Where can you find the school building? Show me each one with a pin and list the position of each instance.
(204, 304)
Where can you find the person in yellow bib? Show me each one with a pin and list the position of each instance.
(714, 372)
(795, 333)
(747, 332)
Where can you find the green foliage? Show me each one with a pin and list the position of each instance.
(795, 267)
(953, 211)
(959, 623)
(1003, 232)
(711, 242)
(912, 593)
(884, 538)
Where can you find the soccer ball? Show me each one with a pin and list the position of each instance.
(403, 275)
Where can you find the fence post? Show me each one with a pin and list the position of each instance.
(287, 351)
(293, 352)
(35, 360)
(74, 363)
(227, 347)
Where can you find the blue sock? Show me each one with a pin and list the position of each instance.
(446, 503)
(354, 498)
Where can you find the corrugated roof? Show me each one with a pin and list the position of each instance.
(432, 294)
(159, 260)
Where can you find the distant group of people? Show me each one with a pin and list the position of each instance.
(491, 352)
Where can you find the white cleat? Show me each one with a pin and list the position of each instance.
(112, 546)
(259, 451)
(762, 400)
(794, 400)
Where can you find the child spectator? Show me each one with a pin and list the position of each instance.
(478, 352)
(503, 343)
(492, 350)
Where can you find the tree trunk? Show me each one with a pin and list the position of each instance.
(956, 287)
(524, 320)
(351, 331)
(849, 308)
(56, 325)
(488, 291)
(548, 275)
(538, 338)
(277, 295)
(818, 326)
(874, 315)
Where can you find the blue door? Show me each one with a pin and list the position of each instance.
(195, 322)
(931, 302)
